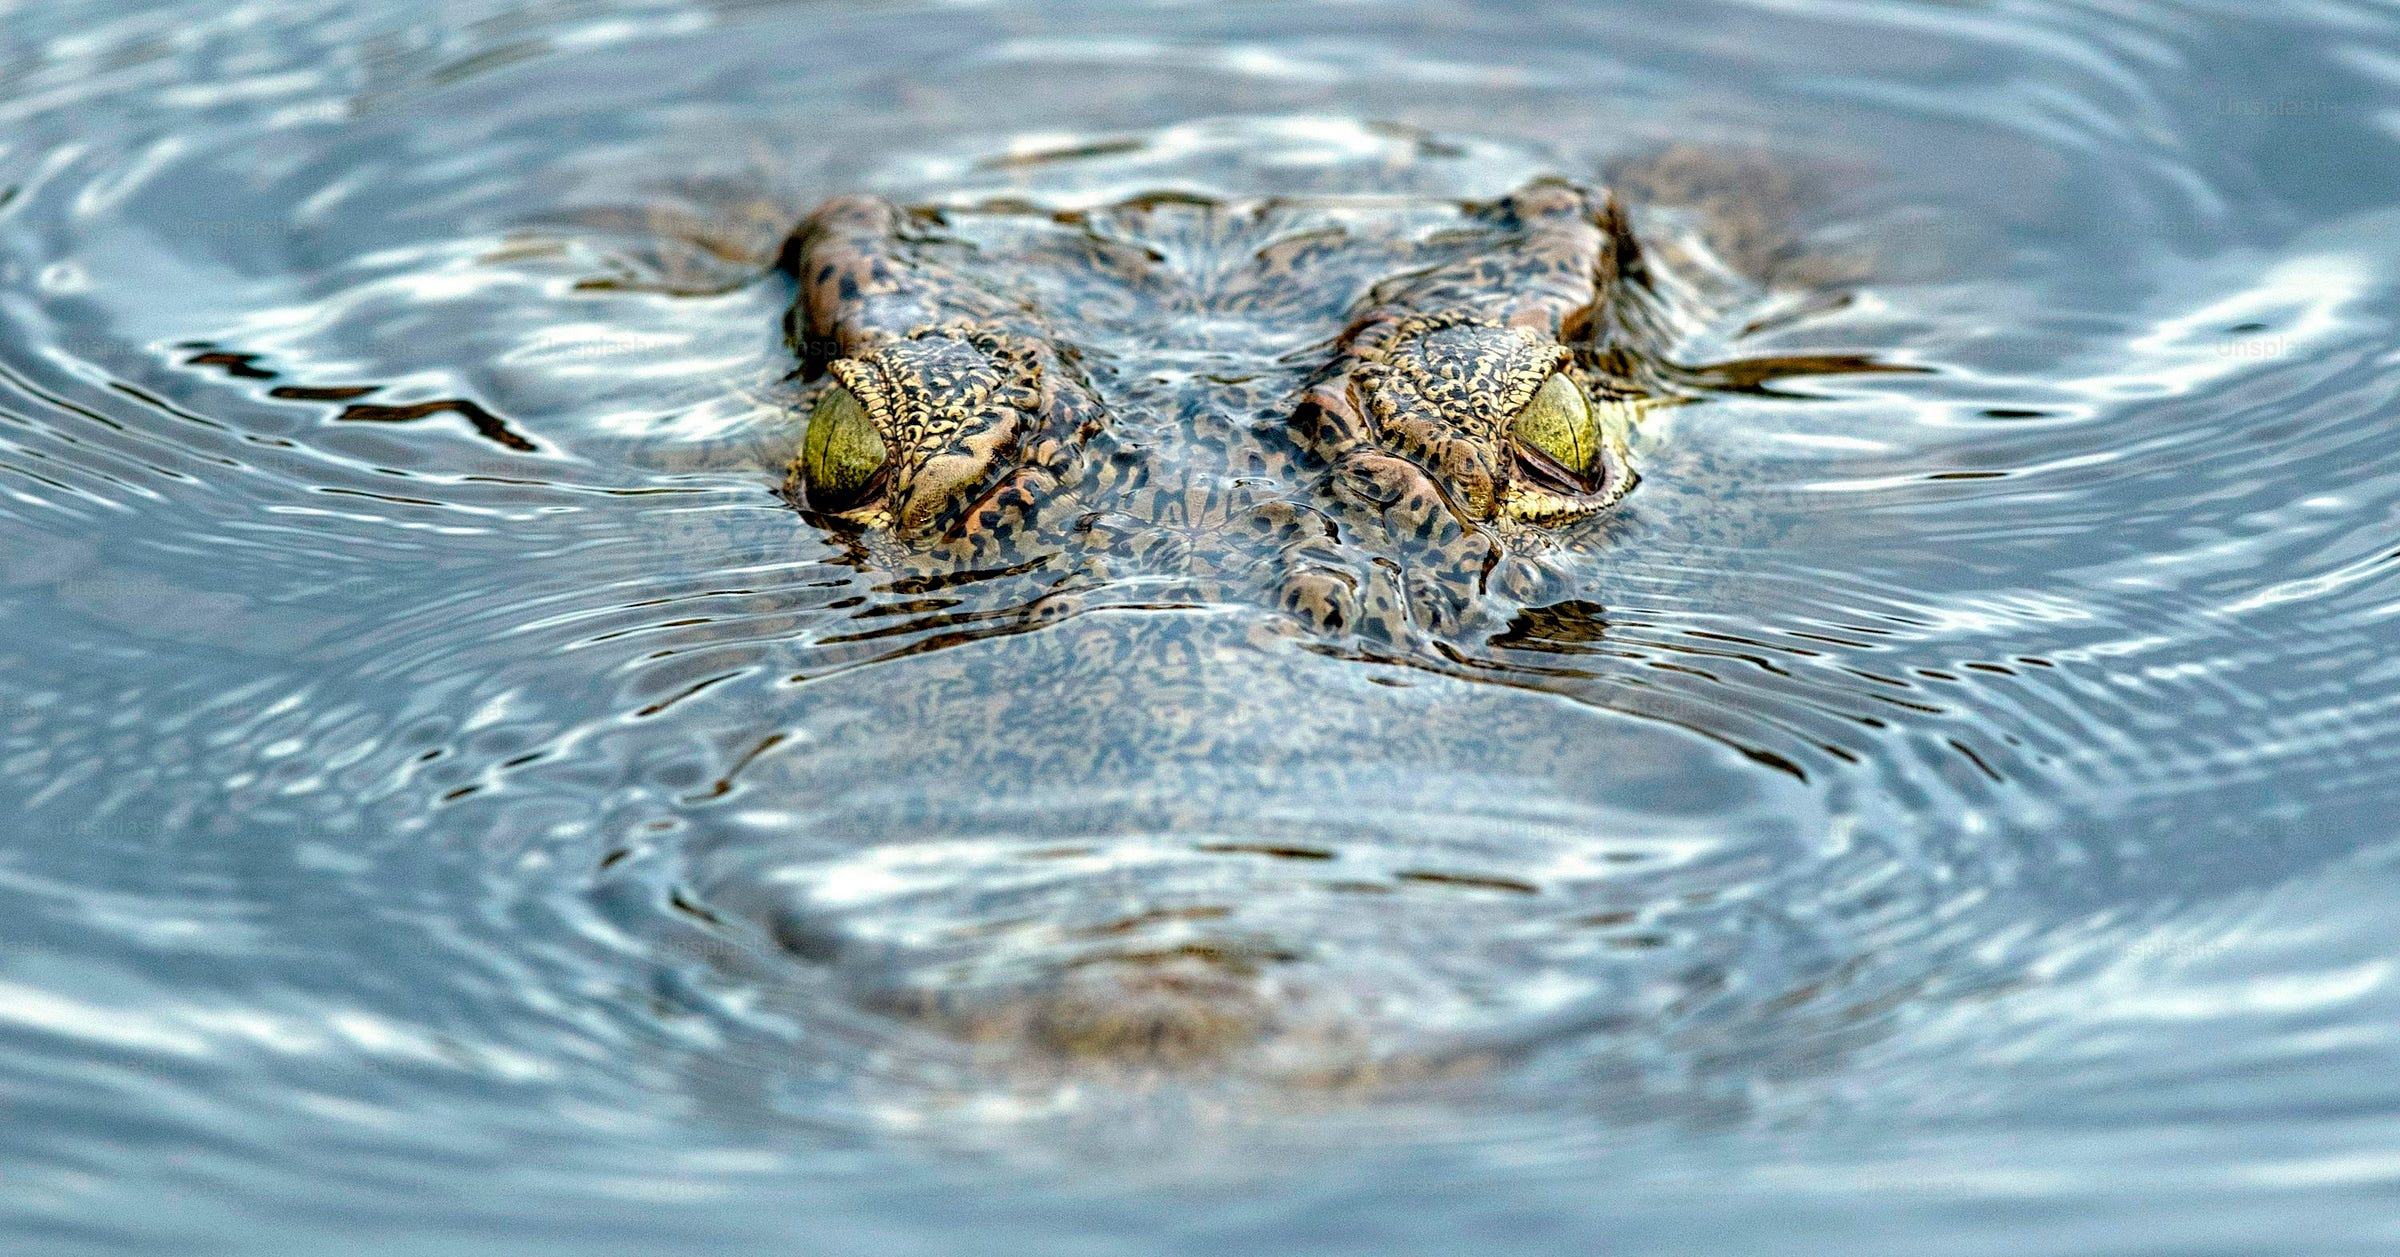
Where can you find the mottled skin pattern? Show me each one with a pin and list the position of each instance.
(1323, 424)
(1208, 450)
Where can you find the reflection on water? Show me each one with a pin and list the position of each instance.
(454, 790)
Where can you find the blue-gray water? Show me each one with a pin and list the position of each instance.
(1988, 815)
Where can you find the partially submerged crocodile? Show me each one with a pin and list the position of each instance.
(1261, 474)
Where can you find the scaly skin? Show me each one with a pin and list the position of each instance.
(1324, 425)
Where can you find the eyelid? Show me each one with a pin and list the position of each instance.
(1558, 422)
(836, 445)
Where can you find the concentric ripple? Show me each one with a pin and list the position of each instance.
(445, 771)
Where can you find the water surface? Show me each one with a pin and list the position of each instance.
(1951, 817)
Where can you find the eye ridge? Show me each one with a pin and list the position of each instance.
(916, 431)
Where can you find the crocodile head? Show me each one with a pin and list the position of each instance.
(1191, 510)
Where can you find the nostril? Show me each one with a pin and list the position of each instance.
(1179, 1008)
(1183, 1011)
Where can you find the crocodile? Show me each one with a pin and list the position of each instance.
(1197, 513)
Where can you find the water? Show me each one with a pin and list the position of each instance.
(1953, 817)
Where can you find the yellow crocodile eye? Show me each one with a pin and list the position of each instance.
(1559, 422)
(841, 452)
